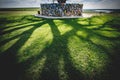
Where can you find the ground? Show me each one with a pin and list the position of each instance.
(33, 48)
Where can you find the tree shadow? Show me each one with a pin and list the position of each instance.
(54, 52)
(14, 28)
(110, 23)
(115, 24)
(61, 49)
(17, 28)
(113, 67)
(4, 20)
(9, 67)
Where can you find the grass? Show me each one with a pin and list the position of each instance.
(44, 49)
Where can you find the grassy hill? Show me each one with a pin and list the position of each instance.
(69, 49)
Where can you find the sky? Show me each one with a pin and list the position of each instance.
(87, 4)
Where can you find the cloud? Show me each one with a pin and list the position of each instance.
(99, 4)
(87, 3)
(92, 0)
(104, 4)
(18, 3)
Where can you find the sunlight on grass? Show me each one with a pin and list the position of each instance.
(8, 45)
(17, 13)
(87, 57)
(59, 49)
(82, 33)
(105, 43)
(64, 28)
(39, 39)
(20, 26)
(83, 21)
(100, 19)
(109, 33)
(92, 27)
(35, 69)
(108, 28)
(13, 24)
(11, 33)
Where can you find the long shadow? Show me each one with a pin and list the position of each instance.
(113, 68)
(14, 27)
(7, 40)
(9, 67)
(115, 24)
(78, 27)
(57, 49)
(111, 23)
(11, 30)
(20, 22)
(75, 74)
(60, 45)
(50, 70)
(4, 20)
(91, 32)
(52, 54)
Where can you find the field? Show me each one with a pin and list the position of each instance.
(68, 49)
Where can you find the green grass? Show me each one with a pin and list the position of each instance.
(69, 49)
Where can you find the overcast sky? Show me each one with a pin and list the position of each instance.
(87, 4)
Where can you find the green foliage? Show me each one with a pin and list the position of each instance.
(44, 49)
